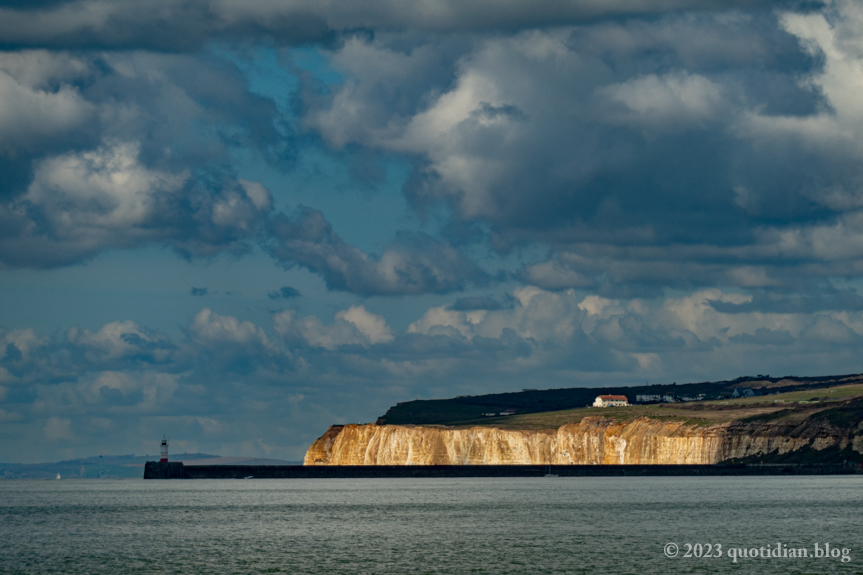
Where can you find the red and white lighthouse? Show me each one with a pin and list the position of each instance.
(164, 458)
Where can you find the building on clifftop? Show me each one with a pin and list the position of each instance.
(610, 401)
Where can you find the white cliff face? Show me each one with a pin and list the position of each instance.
(594, 440)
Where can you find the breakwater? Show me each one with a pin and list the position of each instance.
(176, 470)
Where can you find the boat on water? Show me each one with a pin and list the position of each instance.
(249, 477)
(58, 476)
(550, 474)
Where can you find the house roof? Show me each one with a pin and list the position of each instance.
(613, 397)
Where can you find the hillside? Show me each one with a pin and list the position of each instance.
(469, 410)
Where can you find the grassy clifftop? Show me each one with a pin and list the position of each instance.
(546, 409)
(841, 406)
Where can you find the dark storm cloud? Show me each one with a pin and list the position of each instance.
(190, 24)
(414, 264)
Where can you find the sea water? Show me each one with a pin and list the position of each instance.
(447, 526)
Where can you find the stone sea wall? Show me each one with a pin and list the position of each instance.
(595, 440)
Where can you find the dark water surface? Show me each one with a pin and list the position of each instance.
(477, 525)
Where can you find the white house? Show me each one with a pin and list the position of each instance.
(610, 401)
(644, 398)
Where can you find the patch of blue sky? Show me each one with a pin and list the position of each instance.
(152, 287)
(321, 179)
(317, 177)
(313, 61)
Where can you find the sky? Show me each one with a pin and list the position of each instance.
(236, 223)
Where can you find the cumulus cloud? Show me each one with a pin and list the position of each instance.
(18, 344)
(353, 326)
(81, 203)
(415, 264)
(211, 327)
(683, 151)
(108, 150)
(125, 339)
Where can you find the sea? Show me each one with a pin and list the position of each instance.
(638, 525)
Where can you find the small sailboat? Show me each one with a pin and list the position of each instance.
(58, 476)
(550, 474)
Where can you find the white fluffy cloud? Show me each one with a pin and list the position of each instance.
(117, 340)
(101, 191)
(83, 202)
(211, 327)
(353, 326)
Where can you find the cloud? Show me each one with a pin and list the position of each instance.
(127, 340)
(118, 150)
(353, 326)
(763, 336)
(285, 292)
(79, 204)
(211, 327)
(686, 150)
(414, 264)
(768, 302)
(178, 25)
(57, 428)
(34, 112)
(670, 102)
(476, 303)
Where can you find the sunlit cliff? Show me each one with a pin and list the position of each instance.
(594, 440)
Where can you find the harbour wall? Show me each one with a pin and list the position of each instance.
(176, 470)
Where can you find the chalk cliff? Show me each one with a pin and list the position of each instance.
(594, 440)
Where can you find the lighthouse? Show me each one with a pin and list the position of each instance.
(164, 458)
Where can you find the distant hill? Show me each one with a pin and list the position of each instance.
(119, 466)
(111, 466)
(470, 408)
